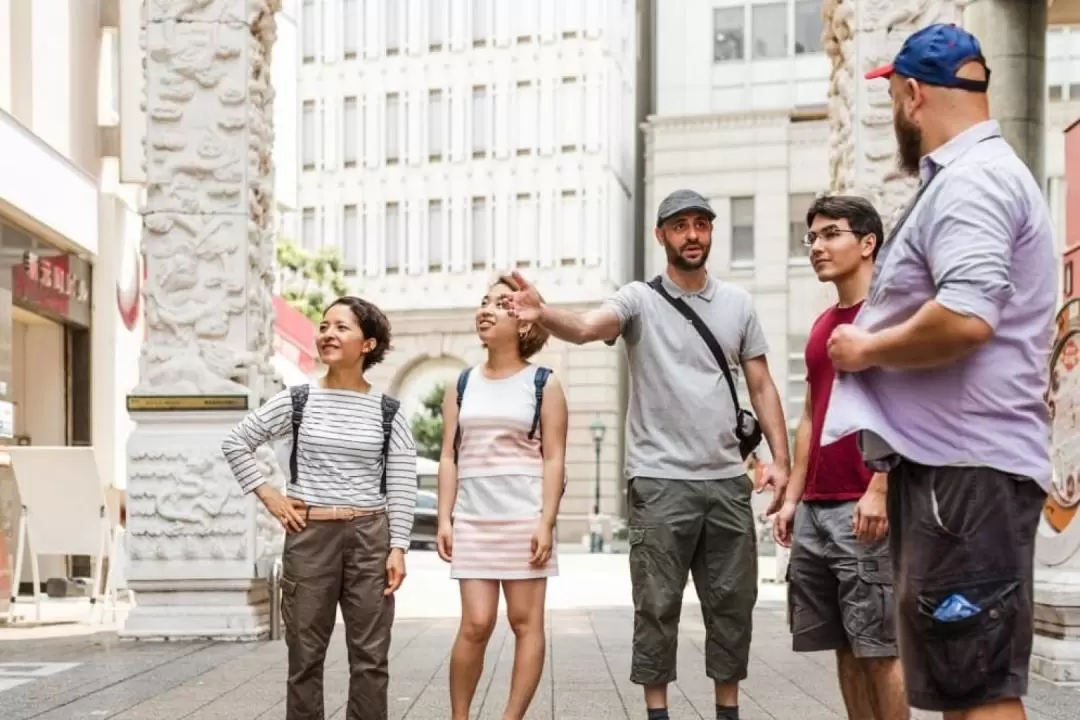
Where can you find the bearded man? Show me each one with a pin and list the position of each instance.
(688, 491)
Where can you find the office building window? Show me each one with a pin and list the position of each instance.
(436, 114)
(307, 142)
(392, 8)
(571, 236)
(479, 233)
(436, 17)
(768, 24)
(729, 30)
(435, 235)
(798, 205)
(1054, 93)
(808, 27)
(742, 231)
(350, 135)
(524, 20)
(526, 110)
(308, 229)
(479, 22)
(394, 239)
(393, 128)
(351, 256)
(350, 36)
(479, 120)
(526, 230)
(309, 30)
(569, 110)
(796, 394)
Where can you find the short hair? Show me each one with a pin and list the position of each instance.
(858, 211)
(536, 338)
(373, 323)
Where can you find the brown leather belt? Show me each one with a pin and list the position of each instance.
(339, 513)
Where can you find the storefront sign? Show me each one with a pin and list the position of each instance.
(55, 284)
(165, 403)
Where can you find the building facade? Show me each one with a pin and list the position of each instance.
(446, 141)
(741, 116)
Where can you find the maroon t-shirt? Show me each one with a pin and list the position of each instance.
(835, 472)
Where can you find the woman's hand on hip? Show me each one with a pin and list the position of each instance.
(288, 511)
(395, 571)
(542, 542)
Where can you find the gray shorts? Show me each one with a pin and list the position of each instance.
(840, 592)
(966, 531)
(704, 527)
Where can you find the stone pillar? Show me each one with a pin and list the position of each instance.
(194, 542)
(1013, 38)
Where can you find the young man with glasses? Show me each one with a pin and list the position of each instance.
(833, 517)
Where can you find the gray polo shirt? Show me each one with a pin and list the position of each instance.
(680, 421)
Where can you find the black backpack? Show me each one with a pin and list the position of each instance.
(299, 395)
(539, 380)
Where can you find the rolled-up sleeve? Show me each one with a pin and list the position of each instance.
(272, 421)
(970, 243)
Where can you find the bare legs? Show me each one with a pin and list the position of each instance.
(479, 609)
(873, 688)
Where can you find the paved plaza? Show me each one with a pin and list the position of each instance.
(69, 675)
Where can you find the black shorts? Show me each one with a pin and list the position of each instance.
(840, 590)
(970, 532)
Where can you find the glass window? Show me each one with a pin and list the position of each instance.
(798, 205)
(479, 233)
(435, 125)
(808, 27)
(435, 235)
(310, 30)
(350, 18)
(1054, 93)
(479, 120)
(393, 239)
(393, 128)
(479, 22)
(728, 34)
(436, 24)
(770, 31)
(570, 112)
(350, 238)
(350, 135)
(1074, 91)
(742, 231)
(527, 110)
(526, 230)
(796, 394)
(571, 235)
(307, 149)
(392, 8)
(307, 229)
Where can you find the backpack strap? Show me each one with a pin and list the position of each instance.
(390, 407)
(462, 383)
(539, 381)
(299, 395)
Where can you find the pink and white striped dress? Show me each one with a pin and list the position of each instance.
(500, 481)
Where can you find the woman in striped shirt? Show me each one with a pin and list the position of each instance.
(501, 484)
(348, 514)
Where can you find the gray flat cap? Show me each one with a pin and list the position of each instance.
(682, 201)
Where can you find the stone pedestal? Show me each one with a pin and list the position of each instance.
(194, 541)
(1056, 652)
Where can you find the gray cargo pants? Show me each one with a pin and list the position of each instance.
(705, 527)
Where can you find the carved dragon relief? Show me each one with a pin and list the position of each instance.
(862, 152)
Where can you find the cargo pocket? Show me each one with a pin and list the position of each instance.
(965, 655)
(288, 605)
(871, 614)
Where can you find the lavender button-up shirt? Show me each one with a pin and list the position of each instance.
(979, 242)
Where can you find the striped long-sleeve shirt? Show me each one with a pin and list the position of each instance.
(339, 457)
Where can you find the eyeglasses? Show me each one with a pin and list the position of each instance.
(826, 234)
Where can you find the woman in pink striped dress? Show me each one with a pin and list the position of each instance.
(501, 479)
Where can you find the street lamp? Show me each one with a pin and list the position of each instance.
(598, 429)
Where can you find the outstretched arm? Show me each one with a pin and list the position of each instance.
(580, 328)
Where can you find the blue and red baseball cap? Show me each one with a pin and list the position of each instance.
(933, 55)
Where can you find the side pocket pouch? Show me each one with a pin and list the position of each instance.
(288, 601)
(966, 655)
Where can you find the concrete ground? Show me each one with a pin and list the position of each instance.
(49, 674)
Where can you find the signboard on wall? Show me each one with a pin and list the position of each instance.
(53, 283)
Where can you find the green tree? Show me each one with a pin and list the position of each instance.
(308, 281)
(427, 425)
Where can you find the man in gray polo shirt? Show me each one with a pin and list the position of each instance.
(688, 491)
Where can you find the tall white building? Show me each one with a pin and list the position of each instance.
(741, 115)
(443, 141)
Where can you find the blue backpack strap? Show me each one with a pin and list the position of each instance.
(539, 380)
(390, 407)
(299, 395)
(462, 382)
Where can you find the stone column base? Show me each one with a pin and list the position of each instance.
(1056, 652)
(237, 610)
